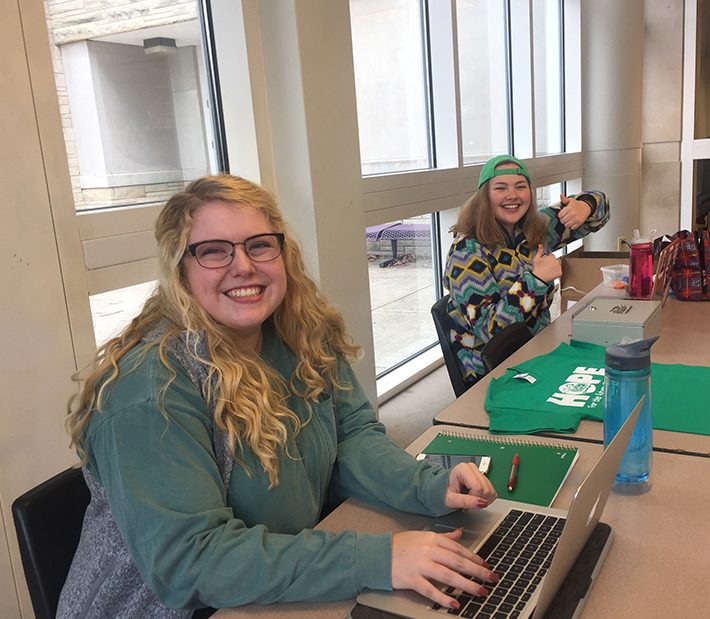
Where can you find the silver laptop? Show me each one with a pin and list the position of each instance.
(506, 530)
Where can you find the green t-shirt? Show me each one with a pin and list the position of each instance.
(553, 392)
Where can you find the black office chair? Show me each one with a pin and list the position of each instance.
(442, 322)
(504, 343)
(48, 522)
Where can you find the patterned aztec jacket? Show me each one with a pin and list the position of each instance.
(493, 287)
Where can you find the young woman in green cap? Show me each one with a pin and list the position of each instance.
(500, 269)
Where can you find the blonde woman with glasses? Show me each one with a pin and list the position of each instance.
(217, 428)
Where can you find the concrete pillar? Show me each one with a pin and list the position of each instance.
(612, 91)
(662, 114)
(301, 68)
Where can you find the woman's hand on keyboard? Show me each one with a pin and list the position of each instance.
(420, 557)
(468, 488)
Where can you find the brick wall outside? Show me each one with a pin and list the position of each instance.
(78, 20)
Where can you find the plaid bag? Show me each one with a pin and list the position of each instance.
(690, 279)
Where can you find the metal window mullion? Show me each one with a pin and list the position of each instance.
(509, 74)
(437, 265)
(457, 81)
(689, 146)
(531, 39)
(206, 25)
(406, 360)
(563, 79)
(428, 82)
(444, 89)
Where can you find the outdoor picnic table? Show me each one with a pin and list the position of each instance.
(397, 231)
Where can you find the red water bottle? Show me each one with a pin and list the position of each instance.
(641, 266)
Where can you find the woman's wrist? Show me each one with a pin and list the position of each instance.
(589, 201)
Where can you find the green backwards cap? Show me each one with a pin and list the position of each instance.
(488, 171)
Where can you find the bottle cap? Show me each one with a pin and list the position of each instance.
(638, 238)
(633, 355)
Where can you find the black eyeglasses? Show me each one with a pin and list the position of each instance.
(216, 253)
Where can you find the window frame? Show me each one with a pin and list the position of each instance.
(447, 185)
(118, 243)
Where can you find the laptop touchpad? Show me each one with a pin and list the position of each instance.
(475, 524)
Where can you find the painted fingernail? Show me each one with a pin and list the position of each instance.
(493, 577)
(482, 503)
(483, 591)
(455, 604)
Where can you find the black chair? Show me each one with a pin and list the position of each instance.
(504, 343)
(48, 522)
(442, 322)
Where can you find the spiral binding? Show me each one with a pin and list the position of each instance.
(505, 441)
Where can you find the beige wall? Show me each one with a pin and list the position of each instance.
(42, 329)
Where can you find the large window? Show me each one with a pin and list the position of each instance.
(483, 78)
(113, 310)
(390, 77)
(548, 70)
(547, 195)
(441, 87)
(139, 124)
(402, 288)
(136, 113)
(136, 116)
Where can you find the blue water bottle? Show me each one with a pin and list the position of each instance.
(627, 378)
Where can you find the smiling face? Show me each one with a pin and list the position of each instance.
(243, 294)
(509, 195)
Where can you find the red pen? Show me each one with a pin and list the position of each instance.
(513, 479)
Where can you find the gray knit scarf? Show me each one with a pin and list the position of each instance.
(188, 348)
(103, 581)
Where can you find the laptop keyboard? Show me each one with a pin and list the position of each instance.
(520, 552)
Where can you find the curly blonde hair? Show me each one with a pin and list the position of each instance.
(246, 394)
(477, 220)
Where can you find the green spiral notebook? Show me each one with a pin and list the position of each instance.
(543, 468)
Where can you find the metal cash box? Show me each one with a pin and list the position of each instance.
(606, 320)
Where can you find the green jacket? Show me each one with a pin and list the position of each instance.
(192, 545)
